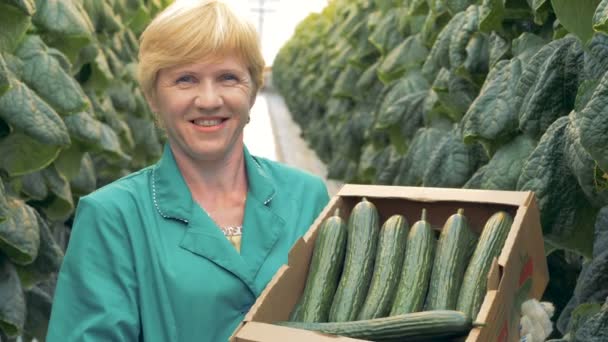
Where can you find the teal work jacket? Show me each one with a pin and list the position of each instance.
(146, 263)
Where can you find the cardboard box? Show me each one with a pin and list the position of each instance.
(519, 273)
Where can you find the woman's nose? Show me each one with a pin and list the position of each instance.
(209, 96)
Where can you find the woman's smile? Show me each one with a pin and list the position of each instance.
(209, 124)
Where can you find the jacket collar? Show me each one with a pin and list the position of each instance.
(173, 199)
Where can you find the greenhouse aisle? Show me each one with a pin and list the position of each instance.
(274, 135)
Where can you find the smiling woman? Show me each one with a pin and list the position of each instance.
(180, 250)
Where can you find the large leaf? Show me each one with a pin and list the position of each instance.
(38, 313)
(455, 92)
(595, 329)
(409, 54)
(499, 48)
(27, 7)
(386, 35)
(491, 15)
(44, 74)
(439, 56)
(433, 24)
(504, 169)
(452, 162)
(526, 46)
(596, 57)
(591, 284)
(12, 300)
(460, 40)
(403, 118)
(411, 170)
(577, 16)
(60, 206)
(346, 83)
(4, 76)
(85, 181)
(48, 261)
(21, 108)
(34, 187)
(20, 154)
(96, 135)
(4, 209)
(593, 123)
(600, 17)
(66, 25)
(540, 8)
(566, 215)
(19, 234)
(102, 16)
(492, 119)
(13, 26)
(582, 165)
(547, 87)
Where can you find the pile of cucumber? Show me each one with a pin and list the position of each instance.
(393, 282)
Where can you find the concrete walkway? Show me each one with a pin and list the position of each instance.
(274, 135)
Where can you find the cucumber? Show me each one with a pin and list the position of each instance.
(387, 268)
(418, 326)
(417, 267)
(490, 245)
(361, 243)
(454, 248)
(324, 272)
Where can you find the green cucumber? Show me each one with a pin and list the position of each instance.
(387, 268)
(361, 243)
(418, 326)
(454, 248)
(417, 267)
(324, 272)
(474, 285)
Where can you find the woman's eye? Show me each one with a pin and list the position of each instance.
(185, 79)
(229, 77)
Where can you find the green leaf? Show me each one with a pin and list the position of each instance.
(27, 7)
(577, 16)
(455, 93)
(19, 234)
(13, 26)
(433, 24)
(386, 173)
(386, 35)
(66, 25)
(499, 49)
(60, 206)
(593, 123)
(460, 40)
(566, 215)
(403, 118)
(582, 165)
(122, 97)
(595, 329)
(95, 135)
(138, 21)
(21, 108)
(48, 261)
(548, 84)
(38, 313)
(34, 186)
(504, 169)
(452, 163)
(85, 182)
(12, 300)
(68, 161)
(4, 209)
(45, 75)
(492, 118)
(455, 6)
(346, 83)
(145, 135)
(411, 53)
(526, 46)
(411, 170)
(102, 16)
(600, 17)
(540, 9)
(596, 57)
(4, 77)
(439, 56)
(20, 154)
(491, 15)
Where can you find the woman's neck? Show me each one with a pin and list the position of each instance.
(215, 182)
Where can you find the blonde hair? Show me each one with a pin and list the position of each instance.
(188, 31)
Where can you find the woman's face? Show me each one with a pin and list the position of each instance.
(204, 107)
